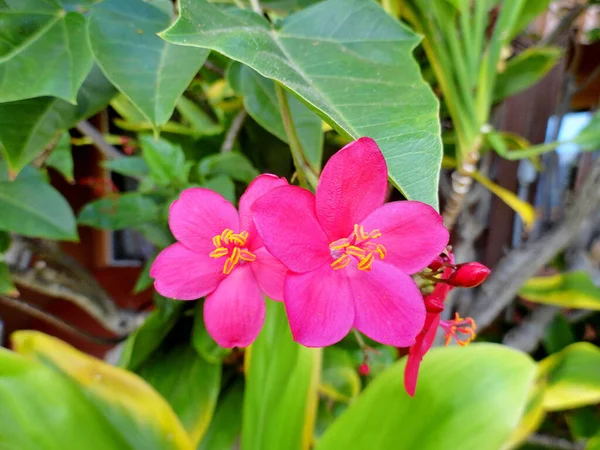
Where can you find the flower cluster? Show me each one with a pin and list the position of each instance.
(338, 259)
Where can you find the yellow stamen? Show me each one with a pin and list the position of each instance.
(375, 234)
(356, 251)
(382, 251)
(341, 262)
(238, 239)
(225, 235)
(365, 263)
(245, 255)
(359, 232)
(339, 244)
(217, 241)
(217, 253)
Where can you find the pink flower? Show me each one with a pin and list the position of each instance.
(221, 256)
(350, 256)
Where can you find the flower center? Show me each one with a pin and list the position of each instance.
(360, 246)
(233, 245)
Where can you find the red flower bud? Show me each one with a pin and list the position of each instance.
(433, 304)
(436, 264)
(469, 275)
(364, 369)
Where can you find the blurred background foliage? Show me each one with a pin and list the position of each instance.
(485, 109)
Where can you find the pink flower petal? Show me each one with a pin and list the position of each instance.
(319, 306)
(269, 273)
(259, 187)
(286, 221)
(412, 232)
(417, 351)
(235, 312)
(389, 306)
(352, 185)
(198, 216)
(182, 274)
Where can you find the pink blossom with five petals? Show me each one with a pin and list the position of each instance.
(349, 255)
(220, 255)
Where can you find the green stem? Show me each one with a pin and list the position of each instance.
(531, 151)
(306, 177)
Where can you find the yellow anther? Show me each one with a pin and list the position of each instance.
(217, 241)
(375, 234)
(341, 262)
(359, 232)
(232, 261)
(356, 251)
(382, 251)
(217, 253)
(365, 263)
(339, 244)
(225, 235)
(245, 255)
(238, 239)
(244, 235)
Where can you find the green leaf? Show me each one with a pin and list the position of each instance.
(456, 388)
(142, 418)
(35, 31)
(131, 166)
(280, 399)
(584, 423)
(524, 70)
(27, 127)
(572, 377)
(147, 70)
(260, 100)
(61, 158)
(166, 161)
(569, 290)
(589, 138)
(29, 409)
(223, 185)
(226, 425)
(363, 80)
(197, 119)
(144, 280)
(6, 285)
(558, 335)
(529, 11)
(31, 207)
(339, 378)
(189, 383)
(146, 339)
(204, 344)
(233, 164)
(4, 241)
(116, 212)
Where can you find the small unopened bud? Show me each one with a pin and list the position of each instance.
(469, 275)
(433, 304)
(364, 369)
(436, 264)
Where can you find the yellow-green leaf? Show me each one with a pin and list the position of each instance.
(142, 417)
(569, 290)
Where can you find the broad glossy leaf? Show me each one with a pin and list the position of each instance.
(188, 382)
(233, 164)
(282, 378)
(166, 160)
(6, 285)
(470, 397)
(572, 377)
(150, 72)
(61, 158)
(32, 207)
(349, 60)
(260, 100)
(339, 379)
(569, 290)
(43, 410)
(44, 50)
(134, 409)
(27, 127)
(223, 185)
(131, 166)
(226, 424)
(147, 338)
(116, 212)
(525, 70)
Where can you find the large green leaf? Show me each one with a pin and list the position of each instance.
(572, 377)
(166, 161)
(152, 73)
(569, 290)
(280, 399)
(226, 424)
(44, 50)
(142, 418)
(189, 383)
(132, 166)
(466, 398)
(525, 70)
(27, 127)
(347, 59)
(260, 100)
(32, 207)
(41, 409)
(61, 158)
(116, 212)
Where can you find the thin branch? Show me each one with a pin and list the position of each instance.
(546, 441)
(39, 313)
(88, 130)
(214, 68)
(527, 336)
(234, 130)
(563, 25)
